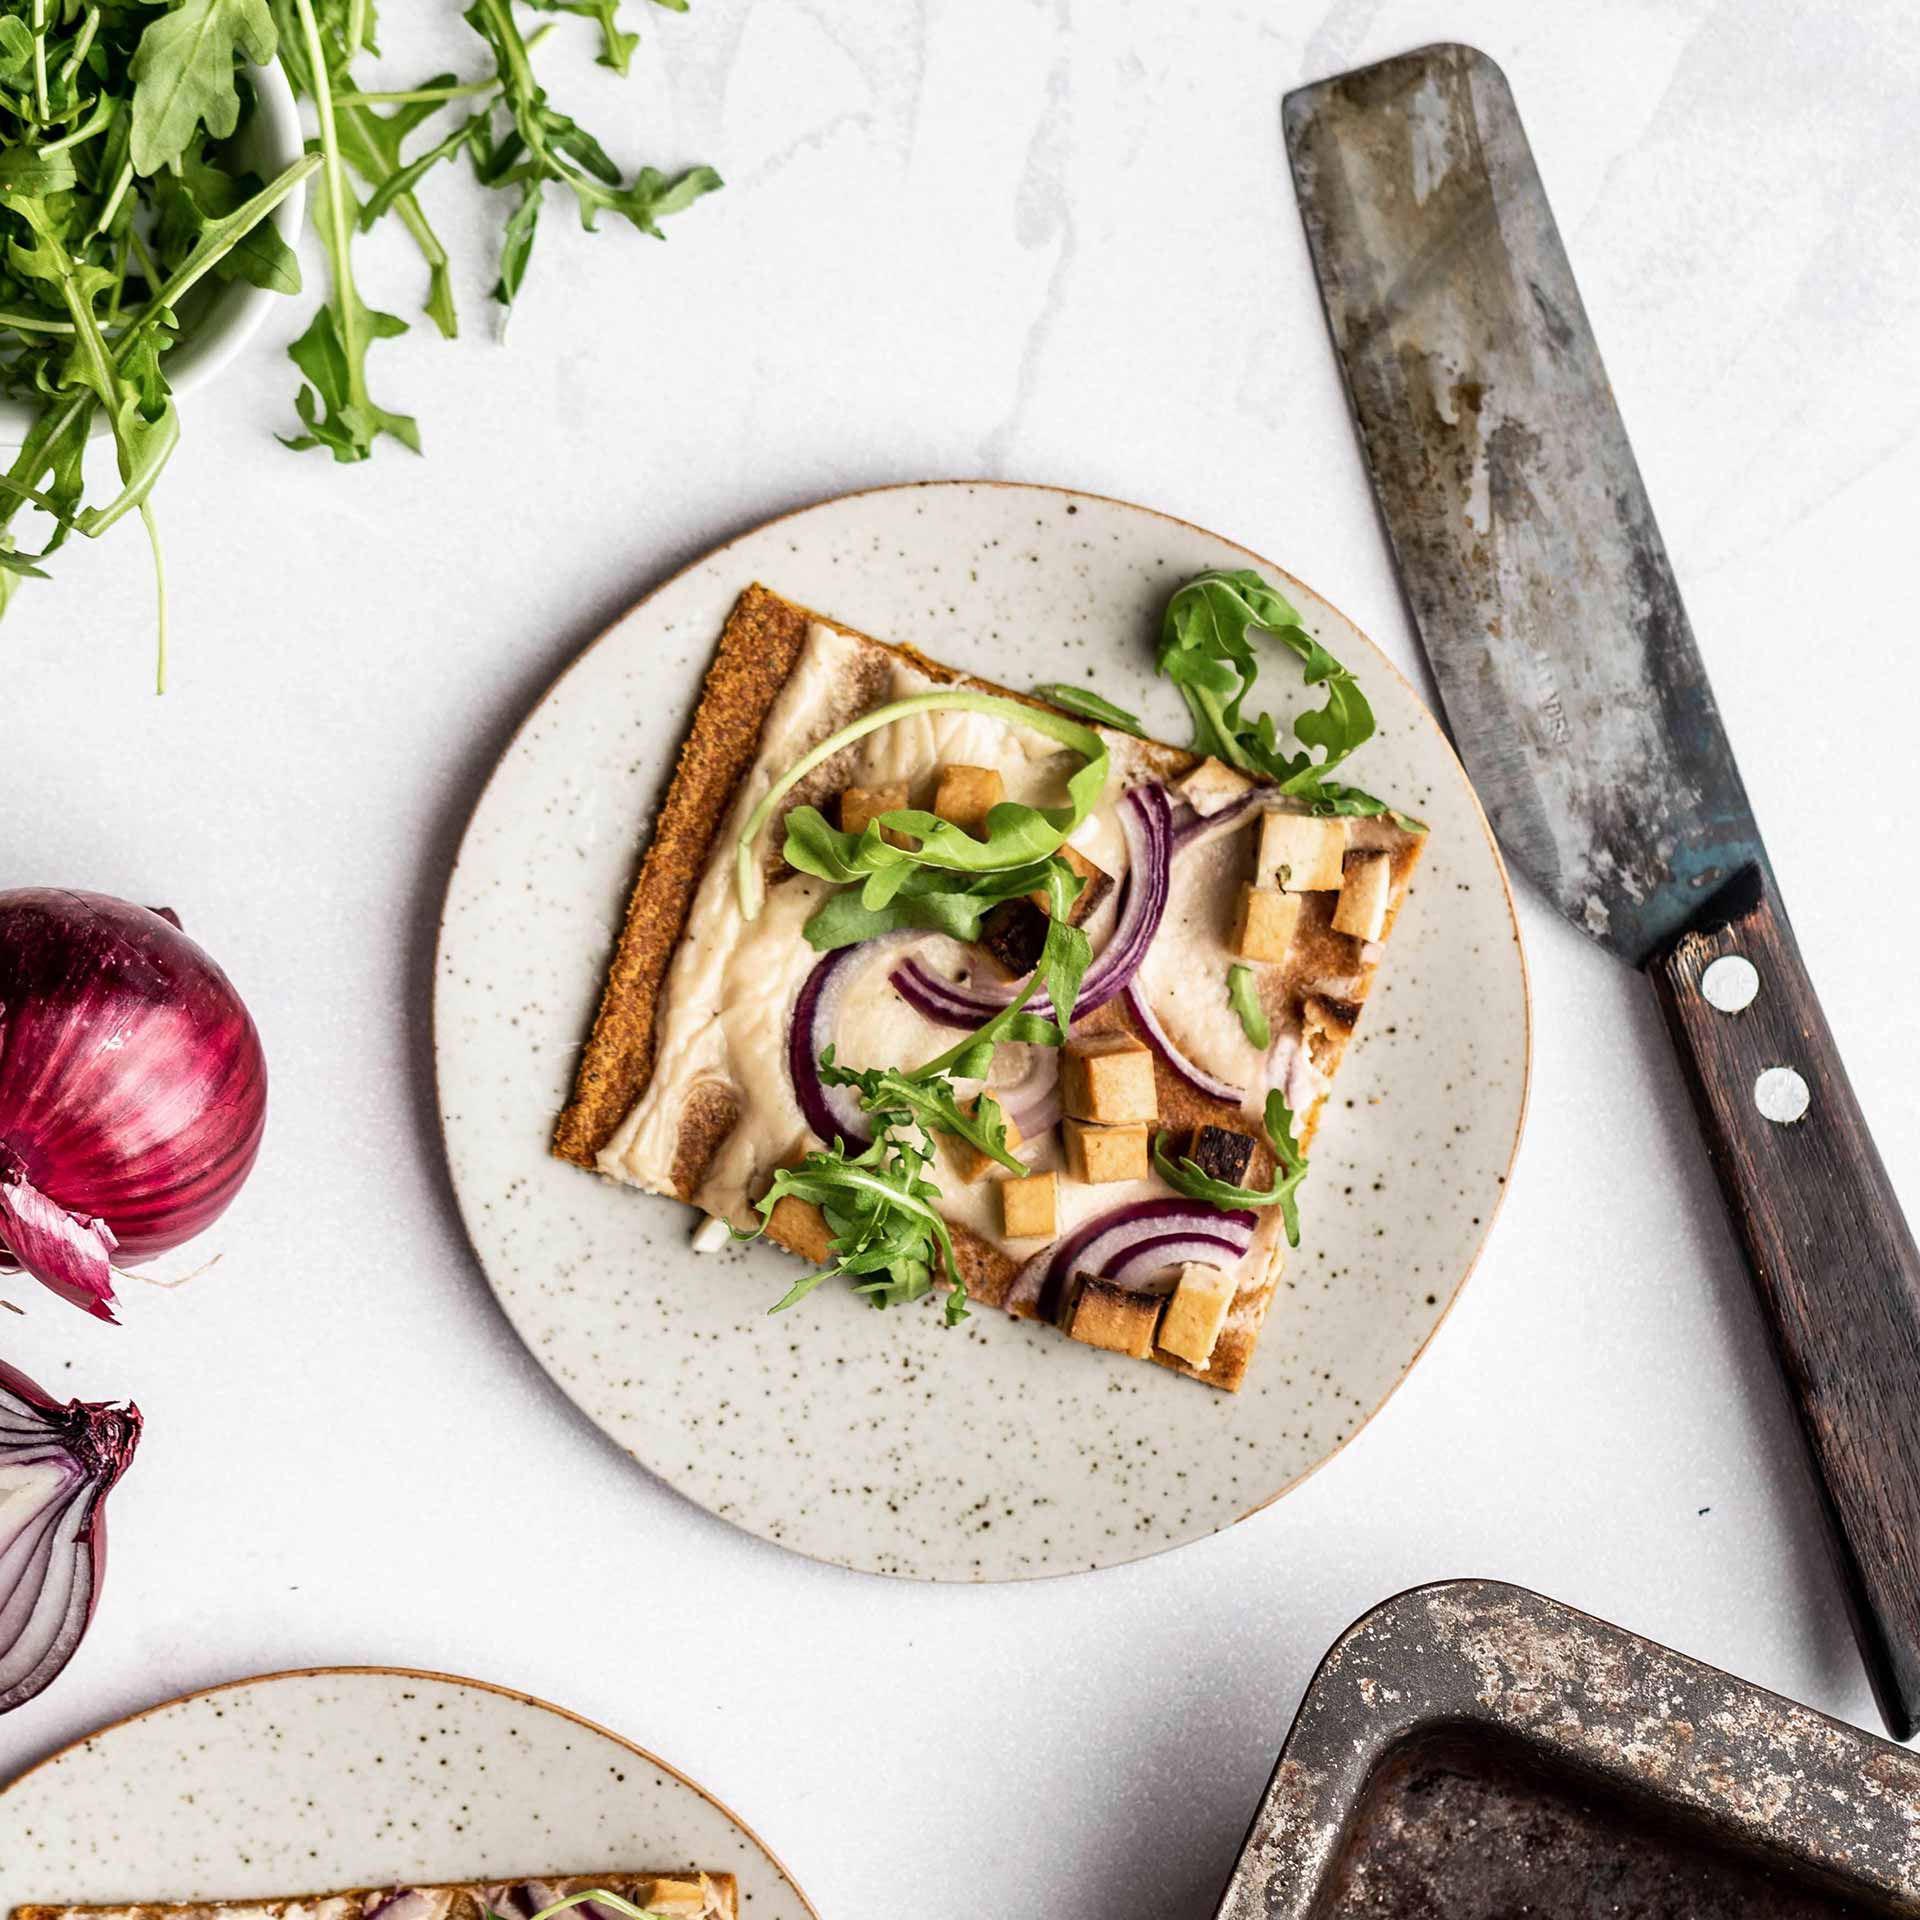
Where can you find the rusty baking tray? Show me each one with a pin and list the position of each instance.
(1473, 1751)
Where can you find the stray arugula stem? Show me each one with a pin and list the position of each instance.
(1187, 1177)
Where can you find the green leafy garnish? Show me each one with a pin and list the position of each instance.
(1290, 1168)
(598, 1897)
(1017, 835)
(926, 1099)
(1244, 998)
(1205, 651)
(1090, 706)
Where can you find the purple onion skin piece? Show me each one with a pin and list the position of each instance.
(133, 1089)
(46, 1613)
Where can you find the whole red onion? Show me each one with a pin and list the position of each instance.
(133, 1092)
(57, 1466)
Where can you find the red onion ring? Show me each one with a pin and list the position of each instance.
(831, 1111)
(133, 1092)
(1032, 1102)
(1165, 1250)
(1146, 821)
(1197, 1077)
(60, 1463)
(1094, 1245)
(1196, 828)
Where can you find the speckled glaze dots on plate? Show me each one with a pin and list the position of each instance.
(998, 1450)
(358, 1776)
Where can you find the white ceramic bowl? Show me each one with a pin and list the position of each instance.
(272, 141)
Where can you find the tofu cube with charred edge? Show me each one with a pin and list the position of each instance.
(858, 805)
(1016, 930)
(1108, 1077)
(973, 1163)
(1190, 1327)
(1030, 1208)
(966, 795)
(1101, 1155)
(1212, 787)
(1362, 907)
(1264, 927)
(1300, 852)
(1114, 1318)
(1222, 1154)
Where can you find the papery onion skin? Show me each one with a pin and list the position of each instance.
(133, 1088)
(99, 1441)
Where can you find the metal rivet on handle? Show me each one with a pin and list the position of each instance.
(1781, 1095)
(1730, 984)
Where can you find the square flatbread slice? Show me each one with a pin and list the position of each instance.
(682, 1087)
(685, 1893)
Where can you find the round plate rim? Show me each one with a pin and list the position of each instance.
(435, 1677)
(1261, 561)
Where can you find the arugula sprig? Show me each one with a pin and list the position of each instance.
(926, 1099)
(1090, 706)
(1205, 651)
(1018, 836)
(1290, 1169)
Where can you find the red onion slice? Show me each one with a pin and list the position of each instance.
(1094, 1245)
(831, 1111)
(1164, 1250)
(1197, 1077)
(1032, 1102)
(57, 1465)
(1146, 821)
(1194, 829)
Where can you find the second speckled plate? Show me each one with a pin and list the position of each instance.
(997, 1451)
(358, 1777)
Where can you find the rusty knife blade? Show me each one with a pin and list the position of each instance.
(1522, 533)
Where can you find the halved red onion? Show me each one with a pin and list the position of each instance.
(1196, 1076)
(1146, 821)
(57, 1465)
(133, 1092)
(1097, 1244)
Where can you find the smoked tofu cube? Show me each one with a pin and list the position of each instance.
(1016, 930)
(1362, 907)
(1300, 853)
(800, 1227)
(1212, 787)
(1101, 1155)
(966, 795)
(858, 805)
(678, 1896)
(1222, 1154)
(1030, 1208)
(1108, 1078)
(975, 1165)
(1264, 927)
(1114, 1318)
(1190, 1327)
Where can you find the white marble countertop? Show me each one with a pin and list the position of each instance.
(1052, 242)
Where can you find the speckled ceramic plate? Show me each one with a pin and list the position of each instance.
(874, 1439)
(355, 1776)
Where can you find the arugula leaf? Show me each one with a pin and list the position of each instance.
(926, 1100)
(1290, 1169)
(1017, 835)
(1205, 651)
(1243, 996)
(1067, 953)
(183, 75)
(616, 45)
(1090, 706)
(336, 406)
(927, 897)
(885, 1233)
(972, 1058)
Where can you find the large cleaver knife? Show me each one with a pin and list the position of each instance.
(1545, 601)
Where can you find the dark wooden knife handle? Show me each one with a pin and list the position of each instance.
(1833, 1261)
